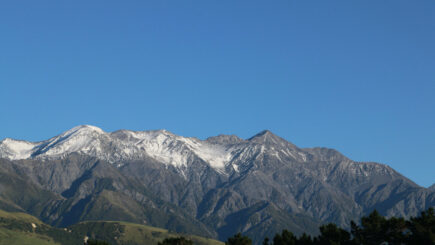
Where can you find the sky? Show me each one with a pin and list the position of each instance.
(357, 76)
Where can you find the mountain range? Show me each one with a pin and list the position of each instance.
(213, 188)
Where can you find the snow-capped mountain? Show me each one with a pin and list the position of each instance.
(16, 149)
(214, 187)
(119, 146)
(161, 145)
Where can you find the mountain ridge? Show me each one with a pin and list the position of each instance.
(216, 187)
(132, 145)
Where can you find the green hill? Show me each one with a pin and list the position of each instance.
(23, 229)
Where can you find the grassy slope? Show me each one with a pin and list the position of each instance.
(128, 233)
(19, 216)
(11, 237)
(136, 232)
(16, 228)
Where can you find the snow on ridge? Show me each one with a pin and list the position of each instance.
(217, 156)
(16, 149)
(177, 150)
(77, 139)
(162, 145)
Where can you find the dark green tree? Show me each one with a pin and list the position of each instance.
(356, 232)
(305, 239)
(285, 238)
(239, 239)
(176, 241)
(395, 231)
(331, 234)
(372, 230)
(97, 242)
(422, 228)
(376, 229)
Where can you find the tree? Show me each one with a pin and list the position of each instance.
(286, 238)
(238, 239)
(96, 242)
(422, 228)
(395, 230)
(304, 239)
(332, 234)
(375, 229)
(372, 231)
(356, 232)
(176, 241)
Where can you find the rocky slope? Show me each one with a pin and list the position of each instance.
(214, 187)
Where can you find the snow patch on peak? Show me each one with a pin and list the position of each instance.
(83, 129)
(161, 145)
(84, 138)
(16, 149)
(217, 156)
(175, 150)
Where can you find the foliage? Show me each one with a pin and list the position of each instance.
(422, 228)
(285, 238)
(238, 239)
(19, 228)
(332, 234)
(176, 241)
(374, 229)
(96, 242)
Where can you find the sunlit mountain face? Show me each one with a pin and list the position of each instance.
(214, 187)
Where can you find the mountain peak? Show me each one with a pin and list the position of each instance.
(267, 137)
(79, 138)
(79, 131)
(84, 128)
(264, 132)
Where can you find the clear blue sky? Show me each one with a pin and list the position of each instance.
(357, 76)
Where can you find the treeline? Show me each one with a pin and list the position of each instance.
(374, 230)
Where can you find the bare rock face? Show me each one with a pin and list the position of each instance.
(214, 187)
